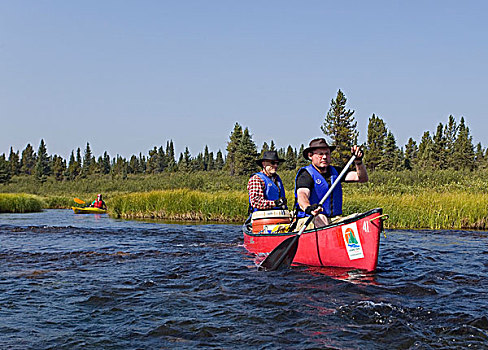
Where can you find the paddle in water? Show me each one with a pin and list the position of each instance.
(283, 254)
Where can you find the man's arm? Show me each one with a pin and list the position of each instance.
(361, 174)
(304, 185)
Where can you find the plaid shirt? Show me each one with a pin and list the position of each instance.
(255, 188)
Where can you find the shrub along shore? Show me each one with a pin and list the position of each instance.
(413, 200)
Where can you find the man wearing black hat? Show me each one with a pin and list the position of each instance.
(313, 181)
(265, 188)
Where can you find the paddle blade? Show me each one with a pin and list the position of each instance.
(79, 201)
(281, 256)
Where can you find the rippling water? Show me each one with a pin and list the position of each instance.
(90, 282)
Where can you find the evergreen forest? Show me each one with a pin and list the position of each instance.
(449, 147)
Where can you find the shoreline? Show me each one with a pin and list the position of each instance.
(428, 210)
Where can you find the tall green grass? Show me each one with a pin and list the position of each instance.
(429, 209)
(413, 199)
(181, 204)
(20, 203)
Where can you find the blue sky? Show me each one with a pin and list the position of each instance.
(126, 76)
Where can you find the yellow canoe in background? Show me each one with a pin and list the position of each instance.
(88, 210)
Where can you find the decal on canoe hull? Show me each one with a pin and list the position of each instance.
(352, 241)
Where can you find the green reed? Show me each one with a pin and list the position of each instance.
(20, 203)
(182, 204)
(428, 209)
(413, 199)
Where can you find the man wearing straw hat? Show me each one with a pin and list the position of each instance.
(265, 188)
(313, 181)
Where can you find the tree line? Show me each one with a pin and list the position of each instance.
(449, 147)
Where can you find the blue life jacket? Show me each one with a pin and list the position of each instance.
(333, 204)
(271, 191)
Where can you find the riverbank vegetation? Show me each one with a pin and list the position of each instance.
(229, 206)
(439, 182)
(414, 199)
(20, 203)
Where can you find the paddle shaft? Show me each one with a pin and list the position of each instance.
(331, 188)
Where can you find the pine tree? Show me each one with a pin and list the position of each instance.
(272, 146)
(197, 163)
(5, 174)
(450, 133)
(411, 152)
(375, 145)
(162, 162)
(281, 153)
(133, 167)
(28, 160)
(78, 157)
(211, 162)
(245, 155)
(170, 156)
(184, 164)
(120, 167)
(152, 161)
(143, 163)
(439, 149)
(14, 162)
(206, 160)
(43, 169)
(391, 159)
(340, 127)
(290, 159)
(235, 139)
(265, 148)
(425, 153)
(301, 161)
(219, 161)
(73, 167)
(463, 148)
(58, 167)
(87, 161)
(105, 166)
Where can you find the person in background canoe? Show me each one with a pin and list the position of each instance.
(265, 188)
(313, 181)
(99, 203)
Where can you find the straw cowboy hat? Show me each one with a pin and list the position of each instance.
(314, 144)
(270, 156)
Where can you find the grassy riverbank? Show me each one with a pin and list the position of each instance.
(182, 205)
(433, 200)
(20, 203)
(428, 209)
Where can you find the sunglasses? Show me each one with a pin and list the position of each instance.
(273, 162)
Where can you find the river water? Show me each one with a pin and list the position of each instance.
(91, 282)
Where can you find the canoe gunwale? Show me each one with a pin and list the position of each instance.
(335, 224)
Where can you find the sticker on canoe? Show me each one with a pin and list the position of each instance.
(352, 241)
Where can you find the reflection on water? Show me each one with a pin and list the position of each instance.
(87, 281)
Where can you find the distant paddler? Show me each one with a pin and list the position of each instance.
(98, 203)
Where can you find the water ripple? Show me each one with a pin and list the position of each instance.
(70, 282)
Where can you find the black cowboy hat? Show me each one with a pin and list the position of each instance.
(314, 144)
(271, 156)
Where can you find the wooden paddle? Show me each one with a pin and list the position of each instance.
(79, 201)
(284, 253)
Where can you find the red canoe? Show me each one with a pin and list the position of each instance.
(352, 243)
